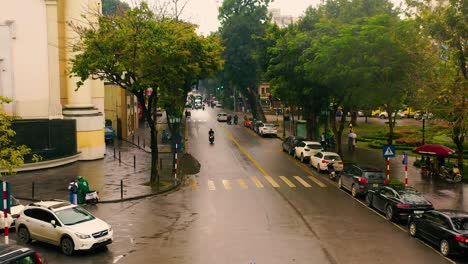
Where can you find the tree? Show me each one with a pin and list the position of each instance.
(137, 51)
(446, 23)
(114, 7)
(241, 21)
(11, 155)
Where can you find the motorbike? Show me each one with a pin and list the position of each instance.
(235, 120)
(91, 197)
(229, 120)
(203, 107)
(211, 138)
(331, 170)
(450, 176)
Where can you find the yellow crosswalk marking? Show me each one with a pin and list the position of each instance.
(272, 182)
(299, 179)
(242, 184)
(211, 185)
(287, 181)
(194, 185)
(257, 182)
(319, 183)
(227, 184)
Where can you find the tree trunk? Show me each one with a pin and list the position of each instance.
(391, 126)
(255, 105)
(459, 138)
(154, 156)
(312, 125)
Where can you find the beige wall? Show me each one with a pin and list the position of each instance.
(25, 58)
(122, 105)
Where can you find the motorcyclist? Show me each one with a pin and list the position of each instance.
(211, 132)
(235, 119)
(203, 107)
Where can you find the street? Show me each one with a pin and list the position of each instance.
(250, 203)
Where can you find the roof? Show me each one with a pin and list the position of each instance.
(9, 251)
(325, 153)
(53, 204)
(368, 168)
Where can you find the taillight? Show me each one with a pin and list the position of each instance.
(324, 161)
(363, 180)
(386, 181)
(403, 206)
(340, 162)
(461, 239)
(38, 258)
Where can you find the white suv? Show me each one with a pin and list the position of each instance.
(63, 224)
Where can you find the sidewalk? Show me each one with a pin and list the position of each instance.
(108, 176)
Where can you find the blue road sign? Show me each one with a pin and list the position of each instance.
(388, 151)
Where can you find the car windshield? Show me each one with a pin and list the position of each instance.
(269, 125)
(332, 157)
(412, 198)
(375, 176)
(460, 223)
(314, 146)
(74, 215)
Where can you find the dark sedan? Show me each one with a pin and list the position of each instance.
(398, 202)
(290, 143)
(447, 229)
(360, 179)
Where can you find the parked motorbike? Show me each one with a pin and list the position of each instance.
(451, 176)
(91, 197)
(203, 107)
(211, 138)
(235, 119)
(331, 170)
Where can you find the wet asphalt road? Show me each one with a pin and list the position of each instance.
(250, 203)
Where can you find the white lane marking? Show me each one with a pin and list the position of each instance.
(299, 179)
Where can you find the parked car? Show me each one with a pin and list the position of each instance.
(268, 130)
(447, 229)
(359, 179)
(321, 159)
(222, 117)
(219, 105)
(290, 143)
(256, 125)
(12, 254)
(305, 149)
(62, 224)
(398, 203)
(15, 209)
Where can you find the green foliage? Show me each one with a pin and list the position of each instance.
(114, 7)
(11, 155)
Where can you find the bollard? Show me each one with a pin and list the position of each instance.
(119, 158)
(32, 189)
(114, 153)
(160, 164)
(134, 161)
(121, 189)
(138, 140)
(144, 146)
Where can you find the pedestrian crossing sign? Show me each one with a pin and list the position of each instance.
(388, 151)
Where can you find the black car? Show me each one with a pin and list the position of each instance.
(18, 254)
(360, 179)
(447, 229)
(290, 143)
(398, 202)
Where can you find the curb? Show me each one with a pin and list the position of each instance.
(173, 188)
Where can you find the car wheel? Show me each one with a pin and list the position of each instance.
(389, 213)
(444, 248)
(302, 158)
(291, 152)
(354, 191)
(23, 235)
(413, 230)
(340, 184)
(369, 199)
(67, 246)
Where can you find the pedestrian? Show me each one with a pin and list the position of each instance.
(352, 140)
(164, 136)
(83, 188)
(323, 140)
(73, 189)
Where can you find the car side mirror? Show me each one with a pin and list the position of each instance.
(53, 223)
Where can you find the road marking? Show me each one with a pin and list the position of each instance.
(246, 153)
(287, 181)
(227, 184)
(257, 182)
(242, 184)
(194, 185)
(299, 179)
(271, 181)
(319, 183)
(211, 185)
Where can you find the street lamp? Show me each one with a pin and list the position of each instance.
(423, 129)
(175, 121)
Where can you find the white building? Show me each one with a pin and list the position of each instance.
(281, 20)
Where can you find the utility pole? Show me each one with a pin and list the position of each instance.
(235, 99)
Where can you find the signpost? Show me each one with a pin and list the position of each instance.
(405, 162)
(388, 152)
(5, 206)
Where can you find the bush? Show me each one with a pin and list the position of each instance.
(409, 141)
(396, 183)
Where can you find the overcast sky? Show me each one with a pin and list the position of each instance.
(205, 12)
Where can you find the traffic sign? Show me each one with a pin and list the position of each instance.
(388, 151)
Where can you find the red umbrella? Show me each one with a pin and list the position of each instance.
(434, 149)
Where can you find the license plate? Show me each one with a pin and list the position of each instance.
(375, 185)
(102, 240)
(418, 212)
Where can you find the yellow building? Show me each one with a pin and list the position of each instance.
(35, 54)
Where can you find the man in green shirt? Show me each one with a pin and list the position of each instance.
(83, 188)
